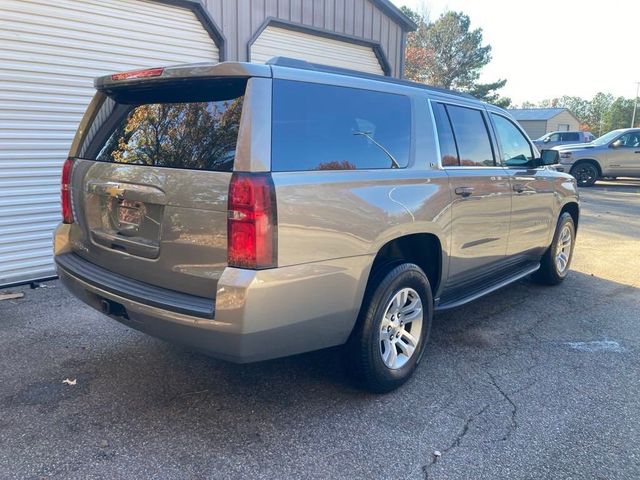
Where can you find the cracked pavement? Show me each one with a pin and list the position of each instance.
(530, 382)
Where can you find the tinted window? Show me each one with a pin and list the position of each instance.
(631, 139)
(570, 137)
(514, 146)
(555, 137)
(472, 137)
(323, 127)
(448, 149)
(187, 126)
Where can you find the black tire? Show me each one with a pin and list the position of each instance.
(586, 173)
(550, 273)
(363, 351)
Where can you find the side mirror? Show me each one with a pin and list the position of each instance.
(549, 157)
(616, 144)
(547, 140)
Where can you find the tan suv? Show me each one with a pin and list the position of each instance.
(256, 211)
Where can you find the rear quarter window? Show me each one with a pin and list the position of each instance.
(325, 127)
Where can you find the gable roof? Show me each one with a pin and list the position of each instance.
(396, 14)
(536, 113)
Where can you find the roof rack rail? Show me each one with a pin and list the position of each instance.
(306, 65)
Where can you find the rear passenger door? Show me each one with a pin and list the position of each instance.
(533, 190)
(481, 195)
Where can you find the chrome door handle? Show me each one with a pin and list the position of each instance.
(518, 188)
(464, 191)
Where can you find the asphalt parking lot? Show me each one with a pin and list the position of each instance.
(531, 382)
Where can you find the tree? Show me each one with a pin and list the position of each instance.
(414, 16)
(528, 105)
(455, 54)
(448, 54)
(578, 106)
(416, 53)
(599, 115)
(487, 92)
(619, 114)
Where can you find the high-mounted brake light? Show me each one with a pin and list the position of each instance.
(65, 191)
(252, 221)
(146, 73)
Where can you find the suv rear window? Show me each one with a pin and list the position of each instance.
(570, 137)
(185, 125)
(325, 127)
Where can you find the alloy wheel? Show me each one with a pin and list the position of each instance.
(585, 174)
(563, 249)
(401, 328)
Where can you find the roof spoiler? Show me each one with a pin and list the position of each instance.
(176, 72)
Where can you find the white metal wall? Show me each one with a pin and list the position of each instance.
(50, 51)
(563, 118)
(276, 41)
(534, 128)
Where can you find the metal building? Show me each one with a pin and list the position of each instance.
(538, 121)
(51, 51)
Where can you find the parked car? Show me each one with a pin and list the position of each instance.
(615, 154)
(256, 211)
(554, 139)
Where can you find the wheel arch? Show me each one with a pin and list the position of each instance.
(573, 209)
(588, 160)
(424, 249)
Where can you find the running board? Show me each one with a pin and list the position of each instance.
(459, 301)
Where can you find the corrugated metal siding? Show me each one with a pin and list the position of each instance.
(274, 41)
(241, 19)
(51, 51)
(564, 118)
(534, 128)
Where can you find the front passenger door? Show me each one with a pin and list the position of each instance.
(532, 204)
(625, 158)
(554, 140)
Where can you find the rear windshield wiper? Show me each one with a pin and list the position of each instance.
(394, 162)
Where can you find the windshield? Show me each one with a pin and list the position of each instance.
(542, 138)
(607, 137)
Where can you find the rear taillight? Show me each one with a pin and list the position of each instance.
(65, 191)
(252, 222)
(146, 73)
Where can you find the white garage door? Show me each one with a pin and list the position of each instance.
(276, 41)
(50, 52)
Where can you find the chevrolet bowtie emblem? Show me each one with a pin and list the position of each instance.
(114, 191)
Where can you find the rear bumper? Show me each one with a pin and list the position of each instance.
(258, 314)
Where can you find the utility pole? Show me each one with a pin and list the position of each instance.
(635, 105)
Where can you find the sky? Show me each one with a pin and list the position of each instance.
(549, 48)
